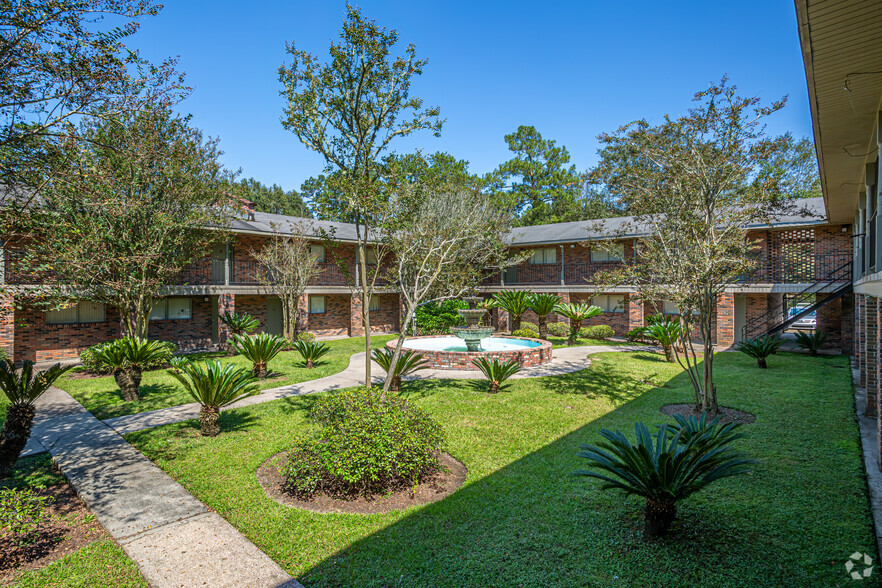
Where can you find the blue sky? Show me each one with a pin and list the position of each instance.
(571, 69)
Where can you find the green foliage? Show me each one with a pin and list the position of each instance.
(760, 348)
(811, 341)
(3, 355)
(496, 371)
(214, 384)
(638, 335)
(131, 351)
(576, 312)
(530, 326)
(436, 319)
(666, 467)
(311, 351)
(91, 362)
(558, 329)
(23, 387)
(305, 336)
(272, 199)
(543, 303)
(369, 443)
(259, 349)
(525, 332)
(409, 362)
(600, 332)
(22, 512)
(239, 323)
(515, 302)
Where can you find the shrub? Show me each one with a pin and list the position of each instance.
(311, 351)
(760, 348)
(666, 467)
(3, 355)
(21, 513)
(259, 350)
(239, 324)
(305, 336)
(811, 340)
(436, 319)
(94, 365)
(369, 443)
(526, 332)
(576, 312)
(497, 372)
(127, 357)
(213, 385)
(543, 303)
(600, 332)
(637, 335)
(409, 361)
(529, 326)
(667, 333)
(558, 329)
(515, 302)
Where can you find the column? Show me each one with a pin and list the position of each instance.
(861, 342)
(303, 313)
(225, 303)
(356, 327)
(871, 355)
(635, 311)
(7, 325)
(726, 320)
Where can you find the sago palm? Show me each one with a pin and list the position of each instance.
(760, 348)
(127, 357)
(496, 372)
(811, 341)
(214, 385)
(667, 333)
(409, 362)
(515, 302)
(259, 350)
(576, 312)
(666, 467)
(22, 388)
(543, 304)
(239, 324)
(311, 351)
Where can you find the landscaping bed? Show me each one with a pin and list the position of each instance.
(521, 519)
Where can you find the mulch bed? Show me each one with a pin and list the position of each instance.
(442, 484)
(727, 415)
(69, 527)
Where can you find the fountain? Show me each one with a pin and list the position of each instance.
(472, 333)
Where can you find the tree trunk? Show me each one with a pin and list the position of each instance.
(309, 364)
(208, 421)
(493, 388)
(129, 380)
(658, 516)
(395, 384)
(408, 317)
(515, 323)
(231, 351)
(542, 323)
(259, 370)
(761, 362)
(669, 353)
(574, 332)
(14, 435)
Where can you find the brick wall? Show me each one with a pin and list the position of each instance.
(871, 354)
(7, 324)
(335, 319)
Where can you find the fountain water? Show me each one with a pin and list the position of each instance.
(472, 333)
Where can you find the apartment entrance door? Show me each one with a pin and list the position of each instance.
(274, 315)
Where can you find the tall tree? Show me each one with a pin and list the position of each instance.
(349, 110)
(794, 167)
(126, 211)
(272, 199)
(543, 187)
(693, 183)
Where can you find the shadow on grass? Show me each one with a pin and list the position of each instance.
(152, 391)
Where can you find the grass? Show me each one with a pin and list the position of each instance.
(102, 398)
(522, 520)
(100, 563)
(560, 342)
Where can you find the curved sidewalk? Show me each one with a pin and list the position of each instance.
(564, 360)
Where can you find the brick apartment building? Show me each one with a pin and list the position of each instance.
(799, 258)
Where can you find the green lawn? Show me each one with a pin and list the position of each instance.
(102, 398)
(562, 342)
(522, 520)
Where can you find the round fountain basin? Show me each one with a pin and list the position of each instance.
(450, 353)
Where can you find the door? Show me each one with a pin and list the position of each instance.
(740, 316)
(274, 315)
(215, 338)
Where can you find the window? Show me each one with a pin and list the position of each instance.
(616, 252)
(82, 312)
(671, 308)
(374, 304)
(172, 309)
(610, 302)
(544, 255)
(318, 251)
(370, 258)
(316, 305)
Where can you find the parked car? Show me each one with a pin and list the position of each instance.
(808, 321)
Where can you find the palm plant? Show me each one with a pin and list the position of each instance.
(515, 302)
(310, 351)
(812, 341)
(543, 304)
(214, 385)
(239, 324)
(127, 357)
(760, 348)
(667, 333)
(666, 467)
(409, 361)
(497, 372)
(21, 389)
(259, 350)
(576, 312)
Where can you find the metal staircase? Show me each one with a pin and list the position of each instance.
(774, 320)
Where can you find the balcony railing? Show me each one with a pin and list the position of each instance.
(252, 273)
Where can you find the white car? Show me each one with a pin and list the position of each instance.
(808, 321)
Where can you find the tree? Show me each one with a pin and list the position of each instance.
(60, 65)
(288, 268)
(693, 184)
(794, 167)
(440, 249)
(543, 187)
(272, 199)
(349, 110)
(126, 212)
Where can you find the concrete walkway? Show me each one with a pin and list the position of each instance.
(564, 361)
(174, 538)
